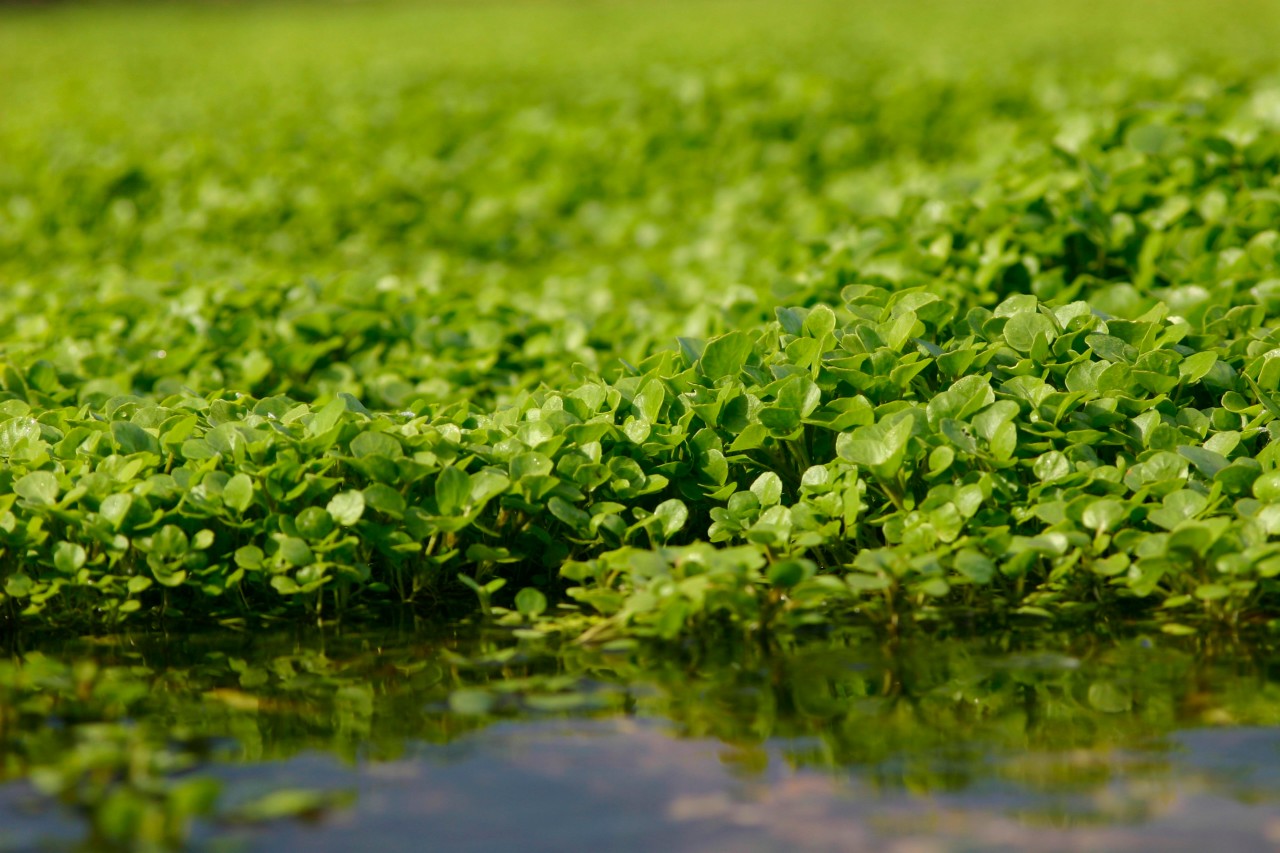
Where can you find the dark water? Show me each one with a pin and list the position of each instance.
(365, 741)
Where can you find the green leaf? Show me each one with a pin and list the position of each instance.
(820, 322)
(767, 488)
(238, 492)
(879, 448)
(673, 514)
(170, 541)
(375, 444)
(975, 566)
(1212, 592)
(314, 523)
(19, 585)
(1022, 329)
(38, 487)
(577, 520)
(346, 508)
(649, 401)
(453, 488)
(1196, 366)
(384, 499)
(327, 418)
(935, 587)
(295, 552)
(68, 557)
(1207, 462)
(1103, 515)
(725, 355)
(789, 573)
(114, 508)
(530, 464)
(530, 602)
(1267, 487)
(131, 438)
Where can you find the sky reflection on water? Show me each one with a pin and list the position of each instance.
(1005, 742)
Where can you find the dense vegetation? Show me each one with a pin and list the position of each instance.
(888, 312)
(759, 326)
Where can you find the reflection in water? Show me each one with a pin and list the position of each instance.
(1035, 741)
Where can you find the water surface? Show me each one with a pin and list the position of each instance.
(388, 740)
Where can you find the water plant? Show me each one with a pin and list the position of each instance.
(707, 345)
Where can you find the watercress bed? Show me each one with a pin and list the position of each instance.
(729, 332)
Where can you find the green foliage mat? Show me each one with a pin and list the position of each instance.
(704, 314)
